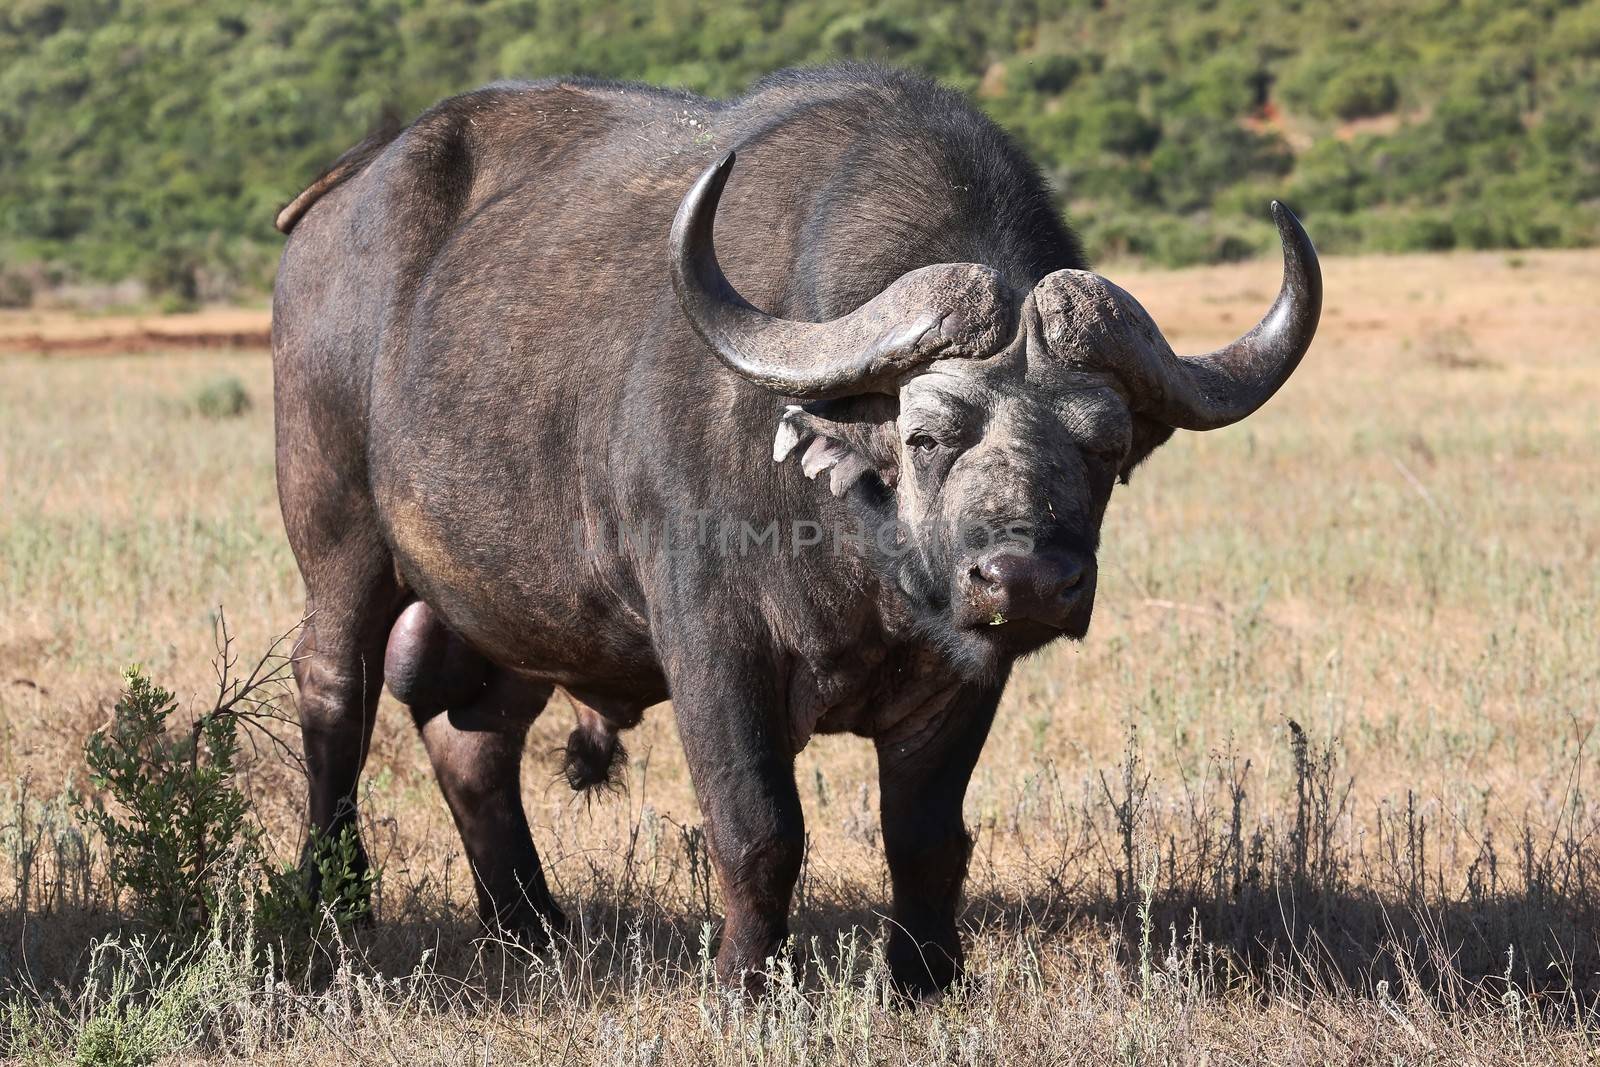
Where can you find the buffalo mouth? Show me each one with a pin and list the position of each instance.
(1025, 635)
(954, 625)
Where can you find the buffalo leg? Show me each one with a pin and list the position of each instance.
(922, 784)
(338, 674)
(476, 753)
(743, 774)
(474, 719)
(352, 591)
(338, 668)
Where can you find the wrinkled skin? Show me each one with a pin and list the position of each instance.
(479, 355)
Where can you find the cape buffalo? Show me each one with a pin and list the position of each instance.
(533, 431)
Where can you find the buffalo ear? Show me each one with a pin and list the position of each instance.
(841, 437)
(1148, 435)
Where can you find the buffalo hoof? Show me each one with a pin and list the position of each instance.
(920, 972)
(535, 929)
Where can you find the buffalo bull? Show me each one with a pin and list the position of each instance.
(834, 473)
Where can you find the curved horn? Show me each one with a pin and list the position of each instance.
(950, 310)
(1088, 319)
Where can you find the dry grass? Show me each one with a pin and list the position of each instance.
(1315, 789)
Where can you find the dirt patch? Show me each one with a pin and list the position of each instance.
(134, 343)
(213, 328)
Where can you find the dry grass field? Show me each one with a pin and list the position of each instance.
(1317, 788)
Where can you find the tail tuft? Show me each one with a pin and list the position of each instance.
(594, 758)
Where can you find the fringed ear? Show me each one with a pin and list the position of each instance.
(839, 438)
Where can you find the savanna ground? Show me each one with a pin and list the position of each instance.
(1316, 788)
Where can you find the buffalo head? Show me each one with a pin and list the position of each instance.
(986, 428)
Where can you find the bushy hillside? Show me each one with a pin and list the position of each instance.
(155, 140)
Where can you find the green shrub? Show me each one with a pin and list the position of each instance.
(1569, 131)
(1050, 75)
(1121, 128)
(1199, 157)
(1337, 234)
(1175, 242)
(1424, 231)
(16, 290)
(158, 144)
(181, 831)
(1225, 87)
(1576, 31)
(221, 398)
(870, 36)
(286, 909)
(143, 1003)
(172, 275)
(181, 845)
(1475, 119)
(1332, 176)
(1358, 92)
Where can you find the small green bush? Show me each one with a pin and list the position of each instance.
(181, 845)
(1422, 231)
(870, 36)
(172, 276)
(145, 1002)
(1120, 127)
(222, 398)
(183, 830)
(1050, 75)
(1224, 87)
(1360, 91)
(1331, 176)
(1199, 157)
(286, 909)
(1176, 243)
(16, 290)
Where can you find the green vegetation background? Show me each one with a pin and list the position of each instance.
(156, 140)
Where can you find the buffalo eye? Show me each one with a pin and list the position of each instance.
(922, 441)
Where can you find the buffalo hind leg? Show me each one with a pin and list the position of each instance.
(922, 784)
(338, 668)
(474, 719)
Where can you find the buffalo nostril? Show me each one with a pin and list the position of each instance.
(1070, 582)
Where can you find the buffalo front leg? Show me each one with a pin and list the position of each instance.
(743, 774)
(922, 782)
